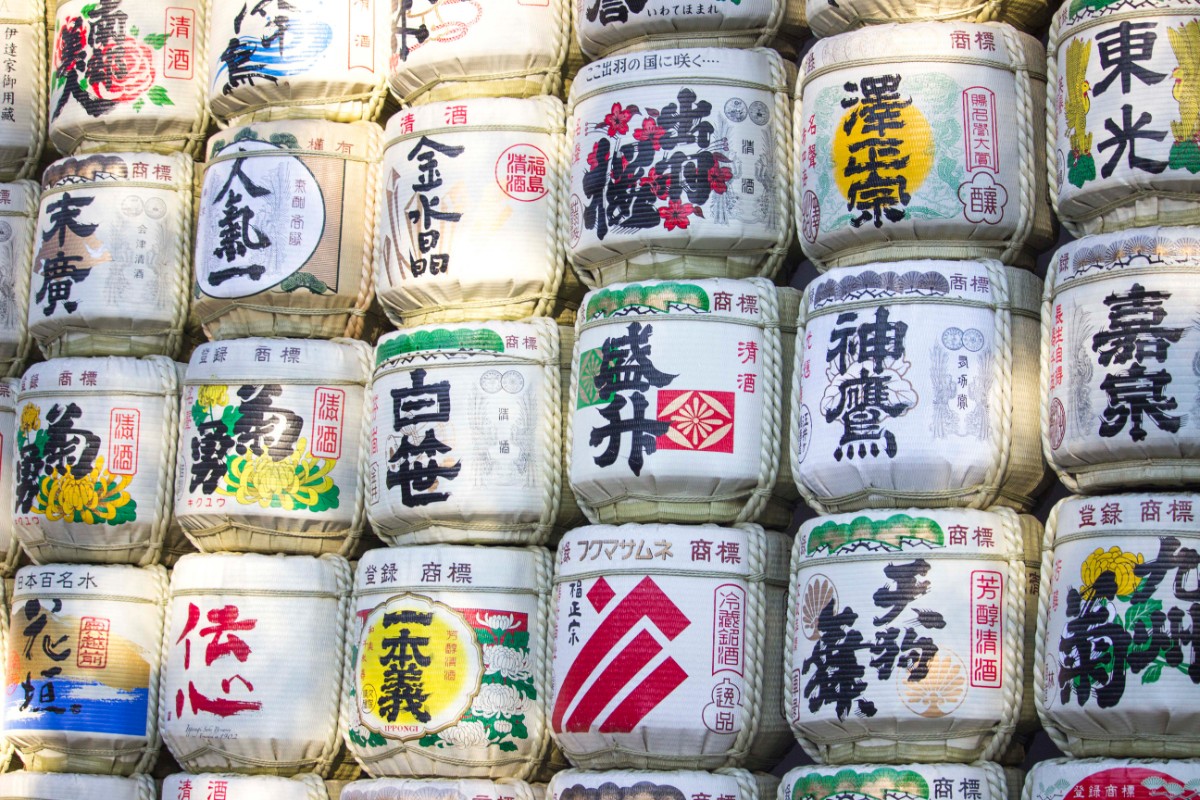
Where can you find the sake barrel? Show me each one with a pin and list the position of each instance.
(1113, 659)
(242, 692)
(438, 789)
(979, 781)
(95, 453)
(284, 230)
(128, 71)
(731, 784)
(1119, 163)
(298, 59)
(466, 441)
(83, 677)
(826, 19)
(707, 605)
(23, 110)
(183, 786)
(272, 446)
(1136, 778)
(915, 387)
(1120, 368)
(449, 660)
(127, 218)
(59, 786)
(457, 178)
(677, 403)
(912, 144)
(906, 635)
(699, 188)
(18, 215)
(10, 546)
(443, 52)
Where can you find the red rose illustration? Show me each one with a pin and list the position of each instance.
(69, 52)
(121, 71)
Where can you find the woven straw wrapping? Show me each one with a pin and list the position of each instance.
(486, 704)
(965, 179)
(18, 215)
(633, 214)
(1123, 152)
(484, 463)
(6, 748)
(512, 48)
(578, 784)
(286, 705)
(1032, 536)
(304, 269)
(338, 71)
(109, 500)
(127, 249)
(712, 382)
(972, 319)
(52, 786)
(273, 443)
(1060, 778)
(1096, 435)
(1093, 564)
(502, 167)
(709, 704)
(957, 702)
(10, 545)
(110, 619)
(438, 789)
(244, 787)
(128, 75)
(24, 133)
(908, 780)
(827, 19)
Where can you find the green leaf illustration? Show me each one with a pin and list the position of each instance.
(134, 30)
(199, 415)
(157, 41)
(1152, 673)
(88, 10)
(139, 104)
(230, 416)
(40, 441)
(508, 747)
(158, 96)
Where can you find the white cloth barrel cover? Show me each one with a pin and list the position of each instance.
(10, 545)
(714, 695)
(961, 175)
(627, 784)
(916, 387)
(1122, 143)
(298, 58)
(59, 786)
(220, 786)
(83, 676)
(937, 598)
(678, 399)
(124, 220)
(450, 52)
(242, 691)
(1129, 778)
(480, 617)
(1112, 661)
(980, 781)
(272, 445)
(285, 230)
(23, 113)
(18, 220)
(95, 449)
(125, 72)
(1120, 364)
(827, 18)
(438, 789)
(457, 178)
(466, 434)
(681, 165)
(7, 750)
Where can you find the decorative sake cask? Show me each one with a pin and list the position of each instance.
(827, 19)
(458, 179)
(980, 781)
(678, 402)
(470, 626)
(95, 454)
(288, 59)
(23, 112)
(272, 444)
(284, 231)
(922, 140)
(1123, 119)
(60, 786)
(1120, 376)
(1132, 778)
(183, 786)
(112, 256)
(915, 387)
(18, 220)
(732, 784)
(10, 545)
(83, 668)
(714, 699)
(936, 601)
(1113, 658)
(266, 699)
(128, 71)
(438, 789)
(681, 165)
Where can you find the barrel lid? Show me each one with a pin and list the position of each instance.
(104, 375)
(450, 567)
(819, 782)
(1134, 249)
(87, 580)
(19, 198)
(354, 140)
(704, 300)
(923, 281)
(535, 341)
(659, 548)
(582, 784)
(480, 114)
(8, 394)
(751, 68)
(214, 573)
(169, 170)
(436, 789)
(37, 785)
(1072, 16)
(951, 531)
(1165, 513)
(296, 361)
(255, 787)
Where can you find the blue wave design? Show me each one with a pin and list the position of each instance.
(124, 714)
(302, 46)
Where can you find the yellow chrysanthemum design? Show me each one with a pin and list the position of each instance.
(31, 418)
(295, 481)
(1115, 560)
(94, 498)
(213, 395)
